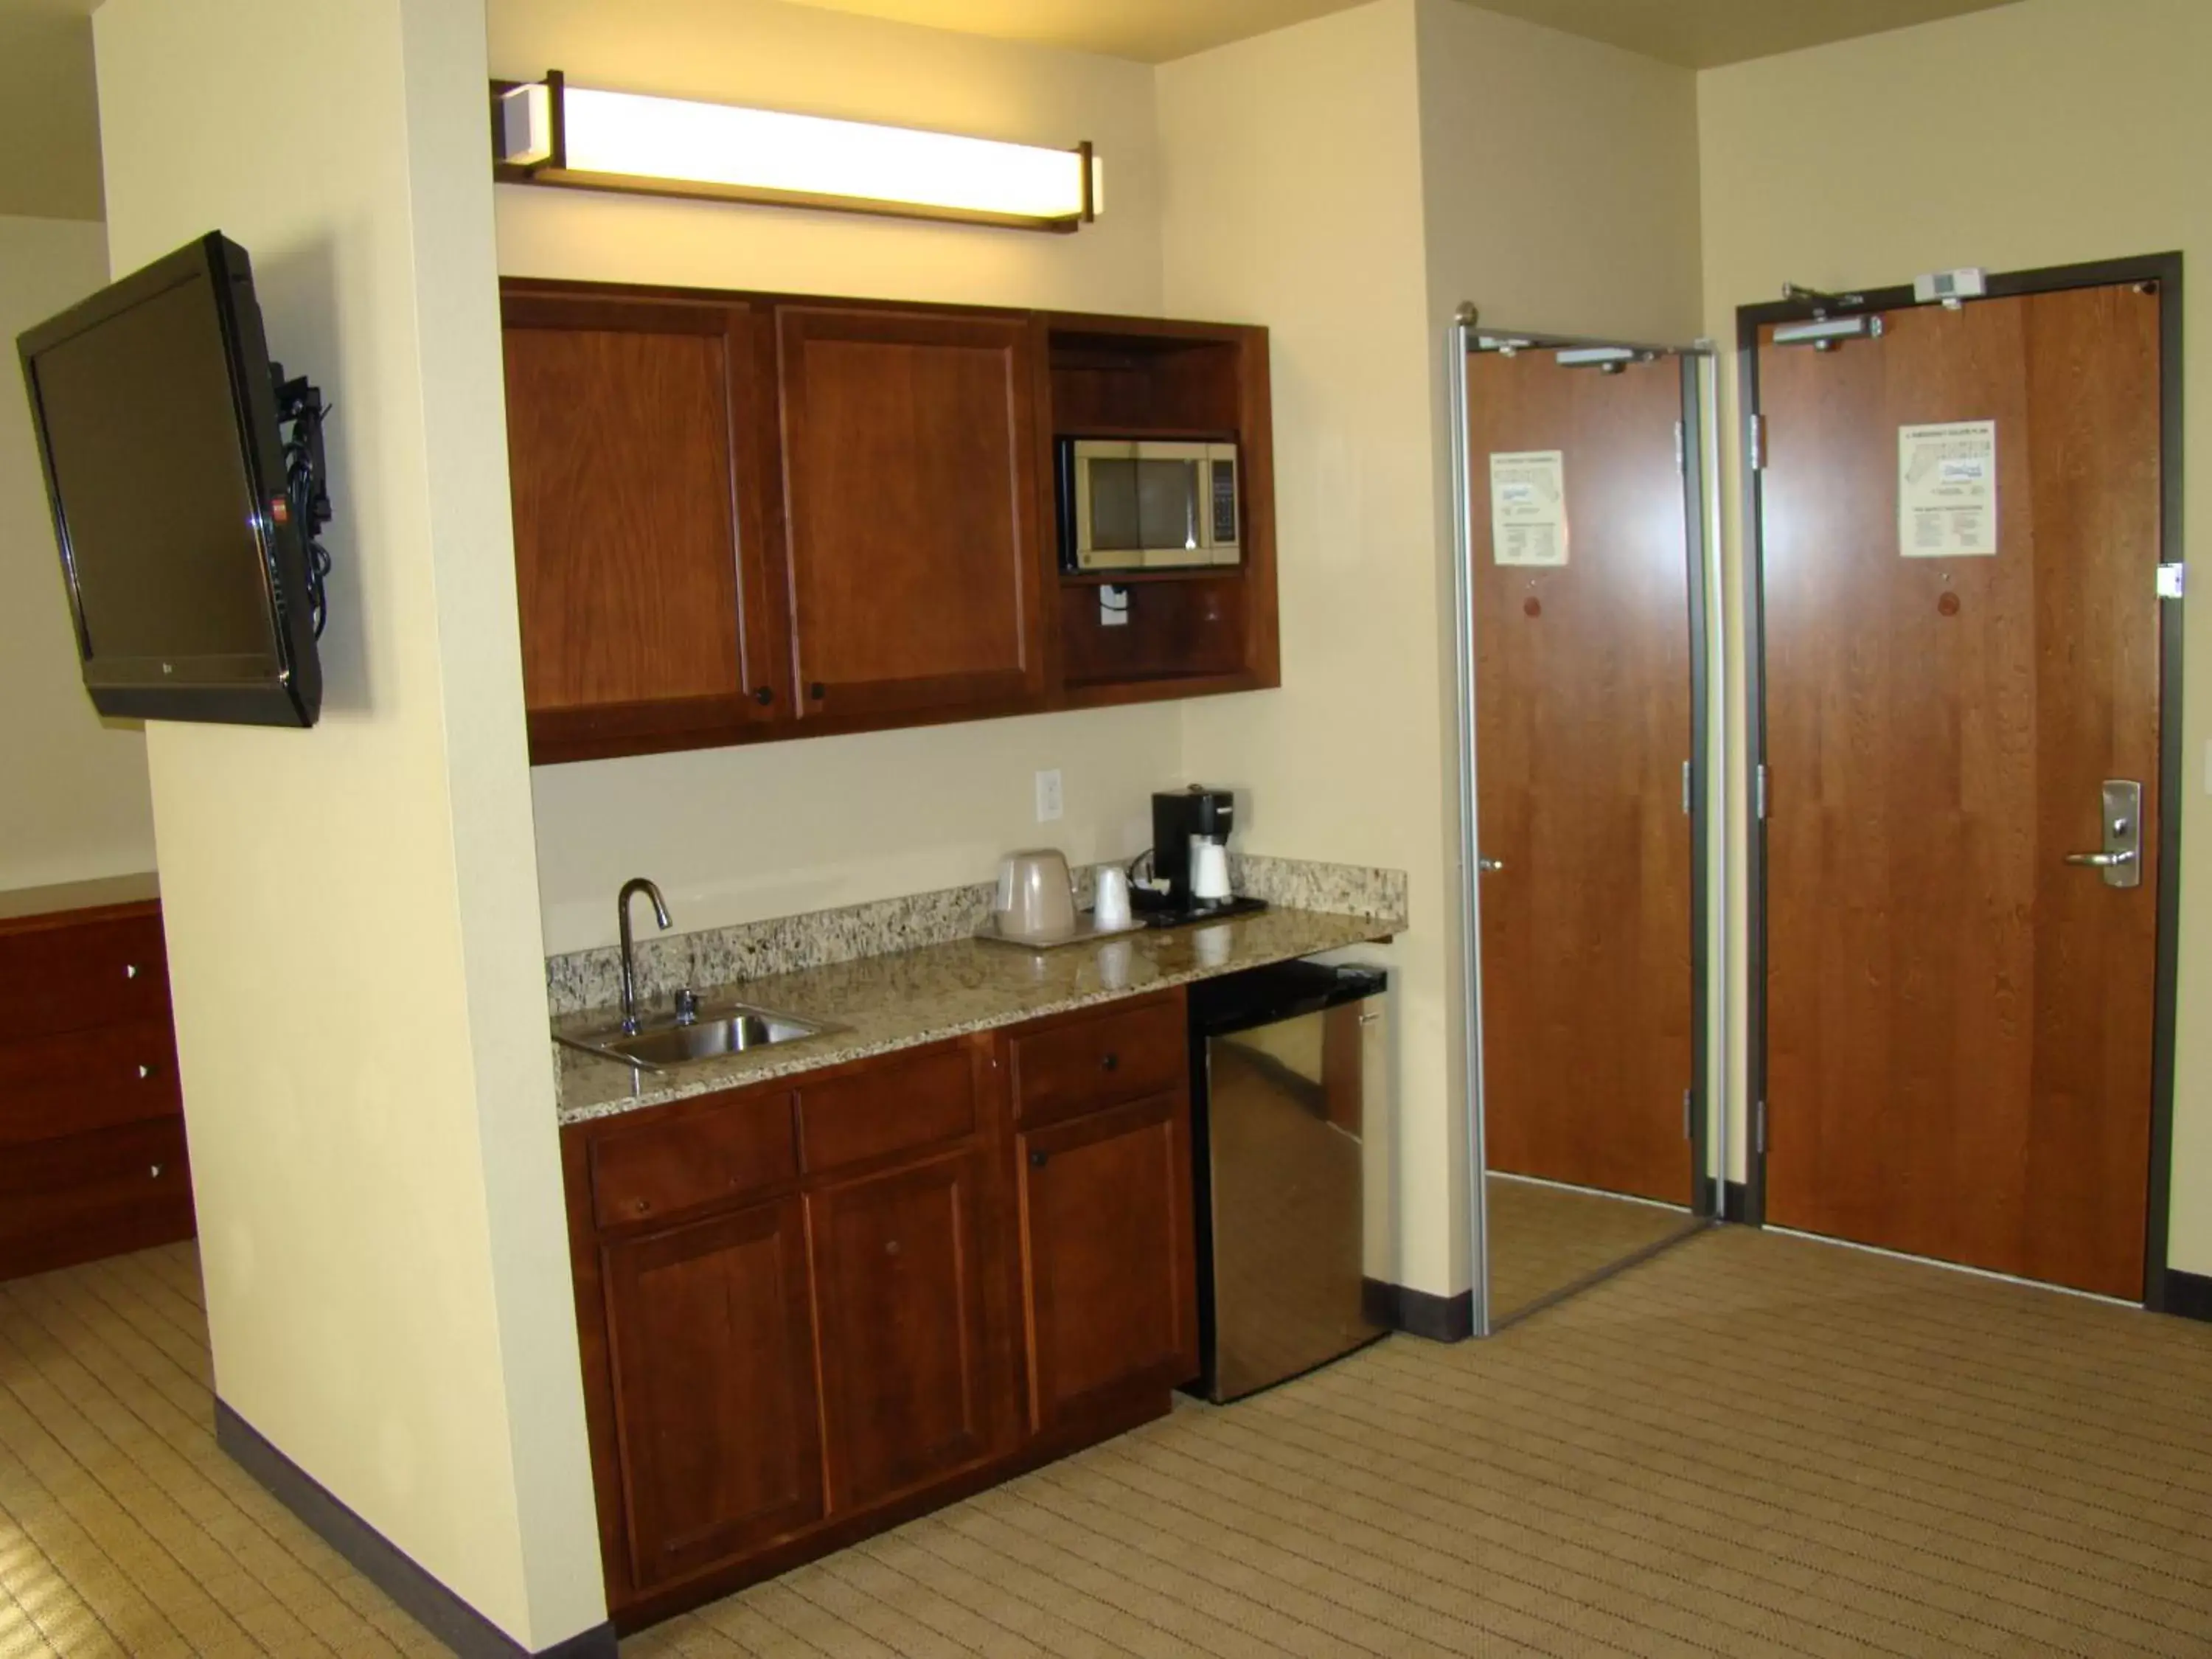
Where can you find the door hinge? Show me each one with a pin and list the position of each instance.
(1759, 792)
(1681, 453)
(1689, 1113)
(1689, 791)
(1759, 1127)
(2172, 579)
(1757, 424)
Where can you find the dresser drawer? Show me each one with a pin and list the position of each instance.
(88, 1196)
(57, 1086)
(888, 1106)
(720, 1150)
(1120, 1053)
(83, 976)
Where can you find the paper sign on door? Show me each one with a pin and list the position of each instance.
(1947, 489)
(1529, 508)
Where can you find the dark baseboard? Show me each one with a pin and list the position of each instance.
(2188, 1296)
(380, 1561)
(1736, 1201)
(1419, 1313)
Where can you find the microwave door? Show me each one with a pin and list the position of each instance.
(1167, 492)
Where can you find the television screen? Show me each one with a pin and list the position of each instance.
(187, 553)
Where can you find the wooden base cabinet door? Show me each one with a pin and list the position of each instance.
(712, 1348)
(911, 512)
(1107, 1263)
(916, 1367)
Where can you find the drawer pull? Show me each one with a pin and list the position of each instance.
(1110, 1061)
(154, 1173)
(1038, 1160)
(130, 970)
(145, 1071)
(643, 1207)
(891, 1247)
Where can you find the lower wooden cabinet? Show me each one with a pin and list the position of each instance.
(915, 1360)
(712, 1337)
(888, 1301)
(1107, 1257)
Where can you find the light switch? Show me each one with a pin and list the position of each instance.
(1048, 796)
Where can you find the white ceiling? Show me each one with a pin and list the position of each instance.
(1696, 33)
(50, 122)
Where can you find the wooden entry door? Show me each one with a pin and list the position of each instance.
(1960, 1024)
(1583, 729)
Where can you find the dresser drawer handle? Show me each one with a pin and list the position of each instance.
(1110, 1061)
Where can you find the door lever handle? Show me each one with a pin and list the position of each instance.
(2101, 861)
(1489, 865)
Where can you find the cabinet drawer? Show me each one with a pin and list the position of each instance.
(718, 1150)
(1119, 1054)
(52, 1087)
(78, 978)
(88, 1196)
(892, 1106)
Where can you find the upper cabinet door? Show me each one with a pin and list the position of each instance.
(634, 442)
(911, 512)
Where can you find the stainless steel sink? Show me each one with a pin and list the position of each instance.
(730, 1029)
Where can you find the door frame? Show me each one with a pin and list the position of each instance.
(1696, 464)
(2165, 269)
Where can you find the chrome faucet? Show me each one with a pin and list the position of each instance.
(630, 890)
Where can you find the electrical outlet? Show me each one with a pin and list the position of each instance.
(1112, 606)
(1048, 796)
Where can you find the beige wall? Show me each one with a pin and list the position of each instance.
(1312, 224)
(1462, 156)
(75, 804)
(353, 936)
(2049, 133)
(733, 835)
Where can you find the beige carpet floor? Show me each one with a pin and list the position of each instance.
(1545, 1239)
(1749, 1444)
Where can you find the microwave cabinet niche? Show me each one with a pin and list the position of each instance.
(813, 1308)
(750, 517)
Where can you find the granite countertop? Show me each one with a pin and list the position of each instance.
(912, 996)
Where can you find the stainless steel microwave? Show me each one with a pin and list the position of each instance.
(1148, 504)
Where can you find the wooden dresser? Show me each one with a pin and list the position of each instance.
(92, 1128)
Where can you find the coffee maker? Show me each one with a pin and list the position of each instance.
(1188, 826)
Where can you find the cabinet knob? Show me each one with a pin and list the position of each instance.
(891, 1247)
(145, 1071)
(154, 1174)
(1109, 1062)
(765, 695)
(642, 1206)
(817, 690)
(130, 970)
(1038, 1160)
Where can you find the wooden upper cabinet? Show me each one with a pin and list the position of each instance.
(911, 511)
(633, 442)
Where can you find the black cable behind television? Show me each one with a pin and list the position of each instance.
(187, 515)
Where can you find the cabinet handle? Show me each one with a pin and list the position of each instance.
(130, 970)
(1038, 1160)
(154, 1174)
(891, 1247)
(1110, 1062)
(145, 1071)
(817, 690)
(643, 1205)
(765, 695)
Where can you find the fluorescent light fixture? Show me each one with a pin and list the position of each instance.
(1824, 335)
(553, 133)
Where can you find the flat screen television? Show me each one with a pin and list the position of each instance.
(186, 517)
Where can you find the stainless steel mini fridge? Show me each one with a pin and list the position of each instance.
(1290, 1082)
